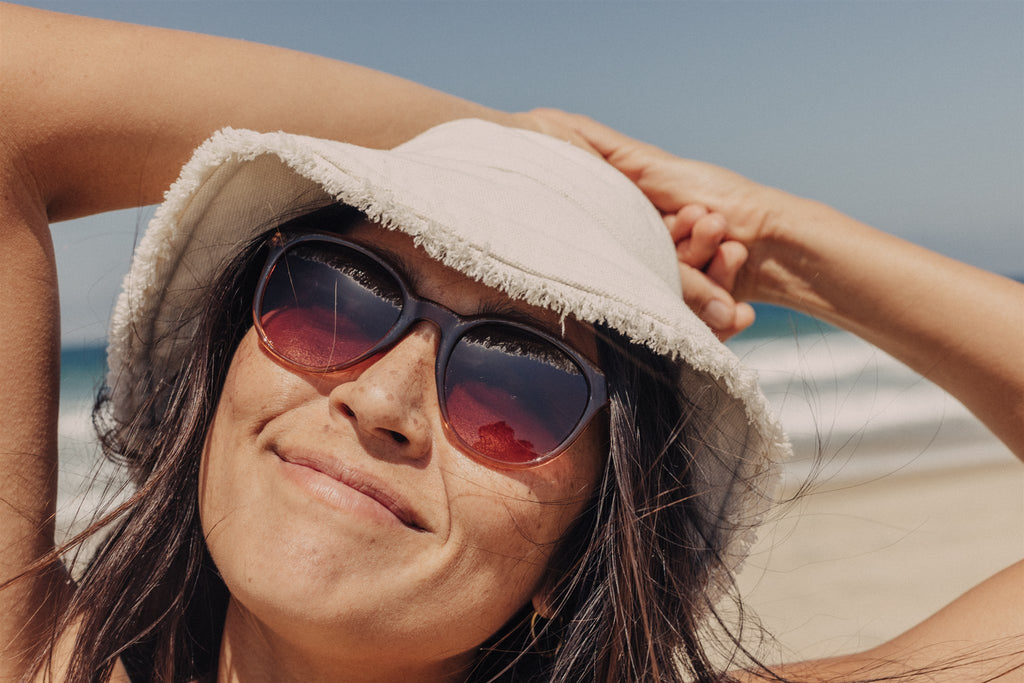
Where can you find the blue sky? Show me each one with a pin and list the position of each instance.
(908, 115)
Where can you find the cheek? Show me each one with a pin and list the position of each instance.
(537, 503)
(254, 386)
(254, 391)
(508, 525)
(497, 563)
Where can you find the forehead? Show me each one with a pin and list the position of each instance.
(434, 280)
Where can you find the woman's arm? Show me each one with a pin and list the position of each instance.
(106, 113)
(29, 353)
(977, 637)
(98, 115)
(957, 325)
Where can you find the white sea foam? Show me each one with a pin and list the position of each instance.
(858, 412)
(87, 482)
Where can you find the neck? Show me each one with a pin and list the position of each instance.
(251, 652)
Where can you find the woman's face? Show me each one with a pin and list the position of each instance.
(350, 530)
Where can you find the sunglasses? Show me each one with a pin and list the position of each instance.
(511, 394)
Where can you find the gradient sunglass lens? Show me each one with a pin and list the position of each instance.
(511, 395)
(324, 308)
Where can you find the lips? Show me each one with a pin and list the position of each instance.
(362, 483)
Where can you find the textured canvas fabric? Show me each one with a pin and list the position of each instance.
(525, 213)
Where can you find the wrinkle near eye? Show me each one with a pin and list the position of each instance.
(396, 260)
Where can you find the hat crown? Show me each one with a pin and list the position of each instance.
(559, 169)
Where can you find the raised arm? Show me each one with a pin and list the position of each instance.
(957, 325)
(97, 115)
(105, 113)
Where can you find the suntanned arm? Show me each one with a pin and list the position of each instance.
(977, 637)
(106, 113)
(29, 348)
(961, 327)
(98, 115)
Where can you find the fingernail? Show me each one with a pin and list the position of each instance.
(718, 314)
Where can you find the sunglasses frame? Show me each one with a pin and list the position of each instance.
(451, 326)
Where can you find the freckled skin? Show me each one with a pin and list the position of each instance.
(338, 591)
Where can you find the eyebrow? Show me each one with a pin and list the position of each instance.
(503, 308)
(498, 305)
(396, 261)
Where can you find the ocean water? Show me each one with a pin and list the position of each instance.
(851, 411)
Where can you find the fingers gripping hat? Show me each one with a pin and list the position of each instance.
(524, 213)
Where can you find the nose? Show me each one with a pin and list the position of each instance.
(393, 398)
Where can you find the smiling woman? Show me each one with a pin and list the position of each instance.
(438, 471)
(440, 412)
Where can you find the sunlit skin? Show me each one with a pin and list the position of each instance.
(403, 582)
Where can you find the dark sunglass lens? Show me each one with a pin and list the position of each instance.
(512, 395)
(325, 305)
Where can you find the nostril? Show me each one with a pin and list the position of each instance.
(397, 437)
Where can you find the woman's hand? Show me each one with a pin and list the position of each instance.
(712, 214)
(956, 325)
(539, 121)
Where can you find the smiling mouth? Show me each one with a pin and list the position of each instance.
(348, 490)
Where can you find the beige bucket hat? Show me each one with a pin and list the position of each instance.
(522, 212)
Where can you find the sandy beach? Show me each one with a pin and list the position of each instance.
(859, 559)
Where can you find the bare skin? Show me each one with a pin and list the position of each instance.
(959, 326)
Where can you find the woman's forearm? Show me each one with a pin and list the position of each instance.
(104, 113)
(961, 327)
(98, 115)
(957, 325)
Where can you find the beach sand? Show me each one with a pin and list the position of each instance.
(859, 559)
